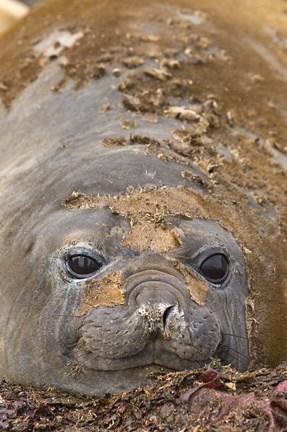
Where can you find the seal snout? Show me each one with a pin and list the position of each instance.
(162, 319)
(160, 298)
(159, 322)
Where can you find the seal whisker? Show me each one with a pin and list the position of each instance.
(236, 351)
(72, 345)
(234, 335)
(225, 358)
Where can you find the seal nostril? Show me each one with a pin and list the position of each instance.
(166, 314)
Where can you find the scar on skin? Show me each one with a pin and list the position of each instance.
(196, 286)
(104, 292)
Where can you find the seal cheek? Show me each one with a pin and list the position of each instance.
(110, 337)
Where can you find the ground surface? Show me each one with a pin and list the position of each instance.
(198, 400)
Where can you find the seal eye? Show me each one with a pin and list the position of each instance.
(215, 268)
(82, 266)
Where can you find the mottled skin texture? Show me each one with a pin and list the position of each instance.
(153, 204)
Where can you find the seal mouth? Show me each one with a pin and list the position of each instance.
(151, 335)
(158, 352)
(154, 354)
(148, 337)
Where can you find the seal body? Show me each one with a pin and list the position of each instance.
(141, 203)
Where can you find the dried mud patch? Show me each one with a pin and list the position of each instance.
(106, 292)
(147, 210)
(196, 286)
(189, 400)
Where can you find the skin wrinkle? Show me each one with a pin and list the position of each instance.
(175, 284)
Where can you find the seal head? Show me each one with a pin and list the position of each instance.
(129, 283)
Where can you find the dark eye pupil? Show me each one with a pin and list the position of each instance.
(83, 265)
(215, 268)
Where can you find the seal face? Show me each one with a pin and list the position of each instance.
(162, 321)
(126, 253)
(115, 304)
(140, 308)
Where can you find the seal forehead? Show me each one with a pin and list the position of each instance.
(147, 210)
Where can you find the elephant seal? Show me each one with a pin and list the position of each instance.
(143, 192)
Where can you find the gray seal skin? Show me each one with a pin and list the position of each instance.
(137, 228)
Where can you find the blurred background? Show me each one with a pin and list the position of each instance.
(12, 10)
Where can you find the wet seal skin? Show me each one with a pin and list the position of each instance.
(143, 191)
